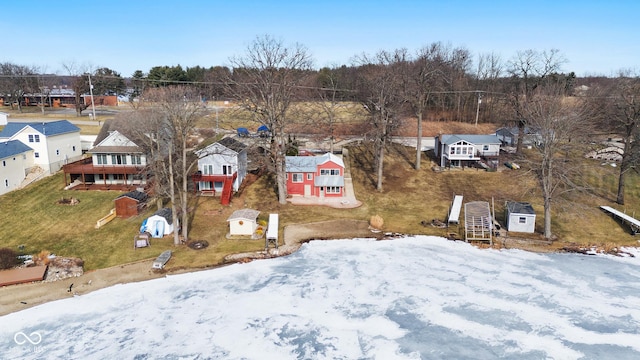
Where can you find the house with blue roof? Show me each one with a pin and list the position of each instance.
(315, 176)
(467, 150)
(54, 143)
(16, 159)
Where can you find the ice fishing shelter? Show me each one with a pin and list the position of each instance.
(243, 222)
(272, 232)
(159, 224)
(478, 224)
(520, 217)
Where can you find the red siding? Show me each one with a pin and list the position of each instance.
(298, 187)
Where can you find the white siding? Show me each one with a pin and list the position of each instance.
(525, 223)
(12, 171)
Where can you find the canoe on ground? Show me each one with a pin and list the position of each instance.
(161, 260)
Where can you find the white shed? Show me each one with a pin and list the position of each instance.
(520, 217)
(243, 222)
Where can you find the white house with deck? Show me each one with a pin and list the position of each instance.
(467, 150)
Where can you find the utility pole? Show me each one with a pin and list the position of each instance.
(478, 107)
(93, 107)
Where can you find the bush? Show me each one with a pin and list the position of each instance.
(8, 258)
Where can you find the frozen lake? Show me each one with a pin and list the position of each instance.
(409, 298)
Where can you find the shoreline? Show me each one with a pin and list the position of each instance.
(14, 298)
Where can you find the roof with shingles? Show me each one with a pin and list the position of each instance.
(232, 144)
(244, 214)
(50, 128)
(12, 148)
(516, 207)
(310, 163)
(474, 139)
(135, 195)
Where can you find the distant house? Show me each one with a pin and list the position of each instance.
(520, 217)
(115, 163)
(509, 136)
(16, 159)
(54, 143)
(315, 176)
(130, 204)
(3, 118)
(222, 167)
(467, 150)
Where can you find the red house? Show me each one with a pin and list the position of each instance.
(315, 176)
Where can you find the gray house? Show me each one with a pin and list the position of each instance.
(466, 150)
(520, 217)
(509, 136)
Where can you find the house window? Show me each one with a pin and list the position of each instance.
(136, 159)
(37, 154)
(102, 159)
(34, 138)
(522, 220)
(296, 177)
(30, 138)
(485, 148)
(57, 152)
(226, 170)
(458, 150)
(329, 171)
(73, 148)
(453, 151)
(118, 160)
(309, 176)
(6, 183)
(207, 169)
(333, 189)
(37, 138)
(464, 151)
(4, 163)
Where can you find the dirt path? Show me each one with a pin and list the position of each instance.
(18, 297)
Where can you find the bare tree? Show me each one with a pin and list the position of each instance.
(265, 82)
(423, 76)
(17, 81)
(79, 83)
(179, 108)
(529, 69)
(623, 115)
(562, 124)
(329, 91)
(489, 72)
(379, 91)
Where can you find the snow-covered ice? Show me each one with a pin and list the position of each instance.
(409, 298)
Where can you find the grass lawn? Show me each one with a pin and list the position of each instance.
(33, 218)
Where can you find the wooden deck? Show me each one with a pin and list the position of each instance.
(22, 275)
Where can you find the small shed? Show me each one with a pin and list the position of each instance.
(243, 222)
(130, 204)
(520, 217)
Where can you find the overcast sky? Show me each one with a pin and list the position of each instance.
(597, 37)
